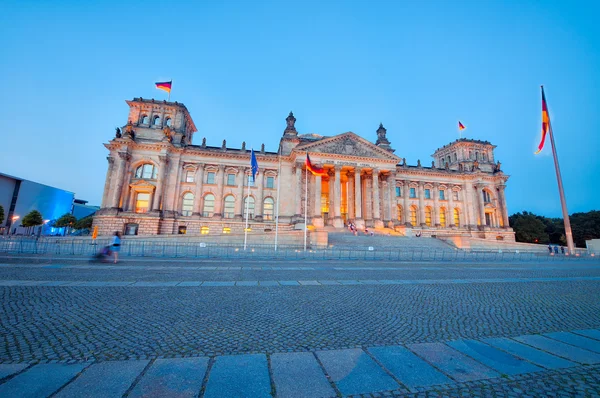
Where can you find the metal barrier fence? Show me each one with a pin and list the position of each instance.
(166, 249)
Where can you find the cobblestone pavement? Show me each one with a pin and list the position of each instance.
(87, 324)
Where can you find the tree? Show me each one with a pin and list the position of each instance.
(67, 220)
(32, 219)
(529, 228)
(84, 223)
(1, 214)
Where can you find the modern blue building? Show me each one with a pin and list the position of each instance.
(19, 196)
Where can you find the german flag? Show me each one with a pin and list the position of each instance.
(461, 126)
(545, 122)
(166, 86)
(317, 171)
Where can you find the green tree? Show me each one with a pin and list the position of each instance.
(529, 228)
(1, 214)
(84, 223)
(67, 221)
(585, 226)
(32, 219)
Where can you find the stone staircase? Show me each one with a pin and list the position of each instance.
(384, 241)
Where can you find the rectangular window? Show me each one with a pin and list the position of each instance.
(210, 177)
(442, 195)
(270, 182)
(230, 179)
(189, 176)
(455, 195)
(413, 193)
(427, 194)
(398, 192)
(250, 181)
(142, 202)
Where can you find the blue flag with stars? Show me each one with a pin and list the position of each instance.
(253, 165)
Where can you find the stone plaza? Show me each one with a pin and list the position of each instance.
(263, 328)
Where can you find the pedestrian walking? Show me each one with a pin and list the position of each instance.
(562, 249)
(550, 249)
(555, 249)
(116, 245)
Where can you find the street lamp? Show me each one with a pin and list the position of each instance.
(14, 218)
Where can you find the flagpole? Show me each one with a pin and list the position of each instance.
(277, 204)
(561, 191)
(305, 208)
(247, 203)
(169, 99)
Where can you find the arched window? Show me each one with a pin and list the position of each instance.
(443, 217)
(156, 120)
(187, 204)
(476, 155)
(484, 156)
(249, 207)
(449, 160)
(456, 217)
(145, 119)
(209, 205)
(168, 121)
(413, 215)
(229, 206)
(428, 216)
(268, 205)
(455, 157)
(399, 213)
(486, 196)
(147, 171)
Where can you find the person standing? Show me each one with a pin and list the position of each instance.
(116, 245)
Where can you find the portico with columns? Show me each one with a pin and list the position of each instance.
(158, 182)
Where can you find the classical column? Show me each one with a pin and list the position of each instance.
(219, 195)
(318, 187)
(357, 195)
(106, 195)
(502, 201)
(124, 199)
(479, 194)
(337, 192)
(405, 195)
(422, 204)
(435, 214)
(121, 164)
(350, 190)
(377, 223)
(299, 190)
(392, 203)
(469, 205)
(385, 196)
(239, 203)
(450, 218)
(199, 178)
(258, 204)
(170, 184)
(177, 194)
(163, 161)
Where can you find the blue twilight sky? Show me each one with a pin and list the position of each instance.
(240, 66)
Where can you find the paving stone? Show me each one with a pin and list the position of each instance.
(576, 340)
(154, 284)
(41, 380)
(207, 284)
(493, 358)
(411, 370)
(180, 377)
(10, 369)
(298, 375)
(289, 283)
(531, 354)
(309, 283)
(104, 379)
(239, 376)
(189, 284)
(268, 283)
(246, 283)
(561, 349)
(453, 363)
(354, 372)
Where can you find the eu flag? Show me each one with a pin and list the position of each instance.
(253, 165)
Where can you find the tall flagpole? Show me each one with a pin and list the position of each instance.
(561, 191)
(305, 207)
(277, 204)
(247, 203)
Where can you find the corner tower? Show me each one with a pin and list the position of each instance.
(466, 155)
(151, 120)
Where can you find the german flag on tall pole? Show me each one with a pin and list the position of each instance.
(461, 127)
(547, 130)
(317, 171)
(165, 86)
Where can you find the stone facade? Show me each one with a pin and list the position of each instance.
(159, 183)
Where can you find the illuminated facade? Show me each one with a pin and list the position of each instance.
(159, 183)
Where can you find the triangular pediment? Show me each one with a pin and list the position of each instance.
(142, 184)
(347, 144)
